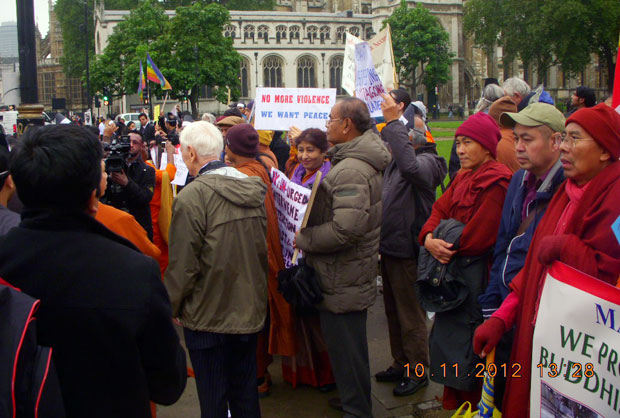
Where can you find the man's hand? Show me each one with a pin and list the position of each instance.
(390, 108)
(293, 133)
(439, 248)
(119, 177)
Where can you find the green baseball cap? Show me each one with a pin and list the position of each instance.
(536, 114)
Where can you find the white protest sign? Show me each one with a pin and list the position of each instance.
(382, 59)
(576, 347)
(164, 161)
(291, 201)
(368, 86)
(278, 108)
(88, 119)
(181, 175)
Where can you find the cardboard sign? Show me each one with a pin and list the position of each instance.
(291, 202)
(368, 85)
(182, 171)
(278, 108)
(576, 347)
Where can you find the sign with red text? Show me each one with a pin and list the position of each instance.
(576, 347)
(291, 203)
(368, 85)
(278, 109)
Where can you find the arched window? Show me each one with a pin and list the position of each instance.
(324, 34)
(294, 33)
(335, 74)
(272, 71)
(229, 31)
(369, 33)
(313, 33)
(366, 9)
(355, 31)
(263, 33)
(248, 32)
(244, 78)
(280, 33)
(306, 72)
(340, 37)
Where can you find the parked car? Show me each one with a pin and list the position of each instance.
(130, 117)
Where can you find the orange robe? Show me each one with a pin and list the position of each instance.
(281, 329)
(160, 238)
(125, 225)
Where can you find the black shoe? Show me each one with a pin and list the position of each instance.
(327, 388)
(390, 375)
(409, 386)
(336, 404)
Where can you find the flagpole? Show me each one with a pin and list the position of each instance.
(392, 53)
(163, 107)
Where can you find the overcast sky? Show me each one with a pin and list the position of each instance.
(41, 13)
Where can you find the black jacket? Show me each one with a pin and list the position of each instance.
(148, 131)
(280, 149)
(135, 198)
(104, 311)
(408, 193)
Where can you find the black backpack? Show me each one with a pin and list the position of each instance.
(28, 382)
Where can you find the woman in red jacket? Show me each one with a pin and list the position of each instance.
(475, 198)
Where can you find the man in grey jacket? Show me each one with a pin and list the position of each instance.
(341, 242)
(409, 184)
(217, 276)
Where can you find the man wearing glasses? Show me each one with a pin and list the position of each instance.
(576, 230)
(341, 243)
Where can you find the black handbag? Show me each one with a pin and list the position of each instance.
(299, 285)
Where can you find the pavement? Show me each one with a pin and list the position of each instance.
(308, 402)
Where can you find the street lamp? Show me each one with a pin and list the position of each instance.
(255, 71)
(323, 59)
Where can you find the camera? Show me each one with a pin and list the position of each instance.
(119, 151)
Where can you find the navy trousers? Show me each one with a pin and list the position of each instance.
(225, 368)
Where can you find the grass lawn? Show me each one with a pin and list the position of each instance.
(444, 130)
(452, 124)
(443, 149)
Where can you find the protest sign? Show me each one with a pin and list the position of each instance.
(278, 108)
(181, 175)
(382, 59)
(155, 112)
(291, 202)
(88, 119)
(576, 347)
(368, 86)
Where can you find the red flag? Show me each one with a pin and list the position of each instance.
(615, 100)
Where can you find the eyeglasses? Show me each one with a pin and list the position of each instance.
(571, 141)
(330, 120)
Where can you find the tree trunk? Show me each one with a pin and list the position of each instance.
(608, 57)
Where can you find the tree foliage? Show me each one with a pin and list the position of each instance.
(421, 47)
(70, 14)
(547, 32)
(189, 49)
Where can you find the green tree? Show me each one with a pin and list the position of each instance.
(202, 55)
(189, 49)
(421, 47)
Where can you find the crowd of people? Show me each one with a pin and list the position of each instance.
(118, 256)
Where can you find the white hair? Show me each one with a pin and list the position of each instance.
(490, 94)
(209, 117)
(204, 137)
(516, 85)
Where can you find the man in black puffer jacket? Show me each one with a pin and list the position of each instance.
(409, 184)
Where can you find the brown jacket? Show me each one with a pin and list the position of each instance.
(217, 275)
(506, 153)
(342, 239)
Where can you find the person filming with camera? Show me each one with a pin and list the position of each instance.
(132, 182)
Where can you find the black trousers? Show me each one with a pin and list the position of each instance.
(225, 368)
(345, 336)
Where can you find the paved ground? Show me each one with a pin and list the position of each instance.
(307, 402)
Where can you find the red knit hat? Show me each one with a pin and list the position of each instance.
(481, 128)
(242, 139)
(603, 124)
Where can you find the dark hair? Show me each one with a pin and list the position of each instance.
(401, 96)
(587, 94)
(57, 166)
(4, 165)
(93, 130)
(356, 110)
(233, 112)
(314, 136)
(142, 114)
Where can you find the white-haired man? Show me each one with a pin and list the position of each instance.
(516, 88)
(217, 276)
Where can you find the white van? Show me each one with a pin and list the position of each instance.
(135, 117)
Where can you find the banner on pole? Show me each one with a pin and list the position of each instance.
(368, 86)
(291, 202)
(280, 108)
(576, 347)
(382, 59)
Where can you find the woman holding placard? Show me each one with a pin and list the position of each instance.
(311, 365)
